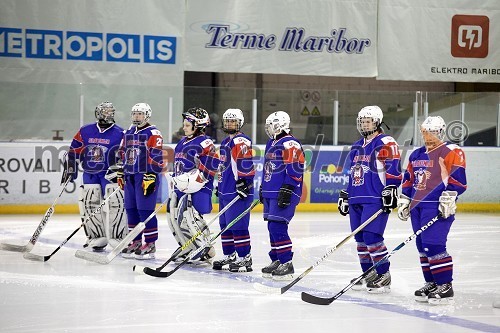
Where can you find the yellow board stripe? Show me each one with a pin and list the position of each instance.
(483, 207)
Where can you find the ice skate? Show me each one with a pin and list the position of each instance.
(381, 284)
(241, 264)
(147, 251)
(284, 272)
(361, 284)
(129, 251)
(443, 295)
(422, 293)
(226, 260)
(268, 270)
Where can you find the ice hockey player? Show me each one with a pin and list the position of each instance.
(375, 175)
(95, 146)
(142, 159)
(433, 180)
(195, 165)
(281, 191)
(235, 178)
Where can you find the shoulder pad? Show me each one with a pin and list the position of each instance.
(452, 146)
(206, 143)
(156, 132)
(242, 140)
(388, 139)
(291, 144)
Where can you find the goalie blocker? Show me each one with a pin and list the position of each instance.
(110, 225)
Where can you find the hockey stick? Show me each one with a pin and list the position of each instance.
(28, 247)
(106, 259)
(140, 269)
(192, 254)
(271, 290)
(326, 301)
(31, 256)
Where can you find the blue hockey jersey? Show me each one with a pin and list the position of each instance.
(283, 164)
(141, 150)
(96, 148)
(198, 152)
(429, 173)
(235, 163)
(374, 164)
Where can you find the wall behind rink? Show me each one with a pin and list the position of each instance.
(30, 176)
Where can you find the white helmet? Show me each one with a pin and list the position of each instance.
(373, 112)
(233, 114)
(145, 109)
(276, 123)
(435, 125)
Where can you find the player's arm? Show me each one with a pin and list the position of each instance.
(154, 146)
(391, 159)
(455, 166)
(293, 160)
(76, 149)
(241, 158)
(208, 157)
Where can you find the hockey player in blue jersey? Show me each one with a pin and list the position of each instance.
(281, 191)
(374, 177)
(95, 146)
(235, 178)
(195, 164)
(142, 159)
(434, 178)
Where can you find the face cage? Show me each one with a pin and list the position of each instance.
(363, 132)
(105, 116)
(139, 123)
(231, 130)
(270, 130)
(438, 134)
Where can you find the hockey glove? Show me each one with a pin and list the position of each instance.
(285, 195)
(242, 188)
(403, 207)
(261, 198)
(148, 183)
(120, 178)
(343, 203)
(390, 197)
(216, 191)
(447, 203)
(112, 173)
(70, 171)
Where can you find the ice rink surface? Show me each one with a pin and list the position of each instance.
(68, 294)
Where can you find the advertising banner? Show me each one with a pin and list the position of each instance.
(447, 40)
(314, 37)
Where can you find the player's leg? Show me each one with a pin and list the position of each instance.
(89, 200)
(241, 236)
(273, 255)
(146, 205)
(133, 217)
(227, 240)
(440, 261)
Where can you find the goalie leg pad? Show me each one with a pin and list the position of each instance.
(88, 201)
(115, 216)
(172, 221)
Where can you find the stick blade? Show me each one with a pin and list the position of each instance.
(14, 248)
(308, 298)
(140, 269)
(267, 289)
(94, 257)
(153, 272)
(34, 257)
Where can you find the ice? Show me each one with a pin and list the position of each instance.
(67, 294)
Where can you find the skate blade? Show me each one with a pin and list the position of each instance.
(241, 270)
(383, 290)
(421, 299)
(441, 301)
(288, 277)
(144, 257)
(267, 275)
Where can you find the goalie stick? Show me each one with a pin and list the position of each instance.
(36, 257)
(192, 254)
(106, 259)
(326, 301)
(281, 290)
(48, 214)
(140, 269)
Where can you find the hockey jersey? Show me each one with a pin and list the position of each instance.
(141, 150)
(283, 164)
(374, 164)
(96, 148)
(429, 173)
(235, 163)
(198, 152)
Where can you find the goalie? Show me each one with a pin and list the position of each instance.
(191, 185)
(94, 146)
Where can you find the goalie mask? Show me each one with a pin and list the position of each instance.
(140, 114)
(232, 121)
(369, 120)
(199, 120)
(276, 123)
(105, 113)
(433, 131)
